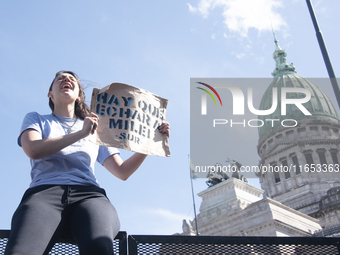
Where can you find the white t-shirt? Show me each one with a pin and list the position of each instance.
(73, 165)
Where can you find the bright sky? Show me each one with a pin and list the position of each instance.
(158, 46)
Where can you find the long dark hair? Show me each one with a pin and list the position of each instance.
(81, 110)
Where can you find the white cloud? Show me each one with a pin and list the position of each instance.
(152, 220)
(168, 215)
(239, 55)
(165, 222)
(241, 15)
(320, 8)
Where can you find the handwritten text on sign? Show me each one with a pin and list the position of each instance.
(135, 115)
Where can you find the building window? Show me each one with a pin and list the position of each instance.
(296, 165)
(335, 157)
(285, 169)
(310, 161)
(276, 173)
(323, 160)
(277, 177)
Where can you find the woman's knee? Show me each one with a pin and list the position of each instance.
(100, 245)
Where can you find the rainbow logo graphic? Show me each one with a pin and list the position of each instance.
(218, 96)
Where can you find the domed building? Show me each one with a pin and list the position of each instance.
(299, 152)
(299, 168)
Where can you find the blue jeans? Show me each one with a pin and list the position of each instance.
(49, 212)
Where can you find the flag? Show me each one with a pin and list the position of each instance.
(193, 173)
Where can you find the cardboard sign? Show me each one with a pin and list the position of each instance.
(129, 118)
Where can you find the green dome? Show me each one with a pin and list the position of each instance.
(319, 105)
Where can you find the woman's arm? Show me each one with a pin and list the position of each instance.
(124, 169)
(36, 148)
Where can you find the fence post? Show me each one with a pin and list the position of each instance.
(132, 246)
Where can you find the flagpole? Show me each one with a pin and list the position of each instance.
(193, 197)
(324, 53)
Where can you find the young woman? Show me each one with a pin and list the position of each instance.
(64, 197)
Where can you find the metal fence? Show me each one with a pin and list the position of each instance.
(69, 247)
(149, 245)
(176, 244)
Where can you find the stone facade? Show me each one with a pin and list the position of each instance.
(298, 186)
(235, 208)
(329, 209)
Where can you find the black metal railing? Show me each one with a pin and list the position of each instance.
(69, 247)
(149, 245)
(177, 244)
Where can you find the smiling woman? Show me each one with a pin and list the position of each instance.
(64, 198)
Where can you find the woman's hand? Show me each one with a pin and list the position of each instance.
(164, 128)
(36, 148)
(90, 124)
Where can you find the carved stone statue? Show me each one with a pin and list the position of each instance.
(217, 175)
(236, 174)
(187, 229)
(220, 171)
(214, 178)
